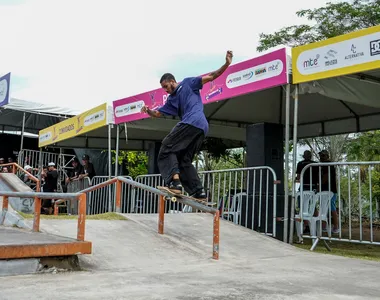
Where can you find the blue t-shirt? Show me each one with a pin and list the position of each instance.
(186, 102)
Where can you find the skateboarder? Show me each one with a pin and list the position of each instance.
(184, 141)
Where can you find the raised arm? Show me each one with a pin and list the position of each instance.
(213, 75)
(152, 113)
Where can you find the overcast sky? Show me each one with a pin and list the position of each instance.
(82, 53)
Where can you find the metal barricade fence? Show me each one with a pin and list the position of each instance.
(76, 186)
(103, 200)
(244, 196)
(62, 161)
(339, 201)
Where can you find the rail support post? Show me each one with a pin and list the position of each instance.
(81, 217)
(161, 215)
(37, 214)
(4, 209)
(215, 246)
(118, 196)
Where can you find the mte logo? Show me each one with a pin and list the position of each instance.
(260, 71)
(248, 75)
(311, 62)
(273, 67)
(374, 47)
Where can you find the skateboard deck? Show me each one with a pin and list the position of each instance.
(174, 196)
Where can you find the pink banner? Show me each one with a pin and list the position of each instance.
(256, 74)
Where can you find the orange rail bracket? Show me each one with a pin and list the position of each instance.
(215, 246)
(81, 217)
(37, 213)
(161, 215)
(118, 196)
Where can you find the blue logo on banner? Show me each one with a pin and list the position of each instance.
(4, 89)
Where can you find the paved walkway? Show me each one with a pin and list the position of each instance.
(131, 261)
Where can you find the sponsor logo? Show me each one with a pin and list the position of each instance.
(248, 75)
(45, 137)
(3, 89)
(354, 53)
(260, 71)
(66, 129)
(94, 118)
(374, 47)
(330, 58)
(311, 62)
(255, 74)
(126, 109)
(235, 79)
(274, 67)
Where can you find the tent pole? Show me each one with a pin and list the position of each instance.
(40, 166)
(286, 188)
(117, 151)
(22, 133)
(109, 167)
(294, 164)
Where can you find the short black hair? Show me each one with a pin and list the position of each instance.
(167, 76)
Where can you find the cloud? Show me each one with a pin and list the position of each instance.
(83, 53)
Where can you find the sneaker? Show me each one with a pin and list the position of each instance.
(335, 230)
(175, 186)
(200, 195)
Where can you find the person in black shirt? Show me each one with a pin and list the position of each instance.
(88, 168)
(306, 176)
(50, 186)
(77, 170)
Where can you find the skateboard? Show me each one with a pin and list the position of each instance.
(174, 196)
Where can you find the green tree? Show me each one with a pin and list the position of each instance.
(326, 22)
(134, 162)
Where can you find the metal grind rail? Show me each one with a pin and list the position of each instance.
(82, 197)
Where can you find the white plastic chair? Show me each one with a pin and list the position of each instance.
(324, 199)
(308, 207)
(235, 209)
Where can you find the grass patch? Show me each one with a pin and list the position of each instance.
(111, 216)
(367, 252)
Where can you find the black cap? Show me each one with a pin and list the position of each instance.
(85, 157)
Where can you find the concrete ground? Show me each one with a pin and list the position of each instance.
(131, 261)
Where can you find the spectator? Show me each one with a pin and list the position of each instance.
(50, 186)
(324, 157)
(2, 161)
(77, 170)
(10, 168)
(306, 176)
(4, 170)
(88, 167)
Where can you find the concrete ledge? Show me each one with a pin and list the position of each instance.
(26, 266)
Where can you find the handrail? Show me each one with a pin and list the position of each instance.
(15, 166)
(82, 197)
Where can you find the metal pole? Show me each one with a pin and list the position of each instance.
(295, 138)
(22, 133)
(109, 167)
(40, 166)
(117, 151)
(286, 181)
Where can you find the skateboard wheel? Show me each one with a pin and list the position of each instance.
(174, 199)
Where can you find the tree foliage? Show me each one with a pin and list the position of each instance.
(134, 163)
(325, 22)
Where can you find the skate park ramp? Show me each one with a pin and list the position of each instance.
(10, 182)
(131, 260)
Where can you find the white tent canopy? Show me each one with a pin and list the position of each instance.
(37, 115)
